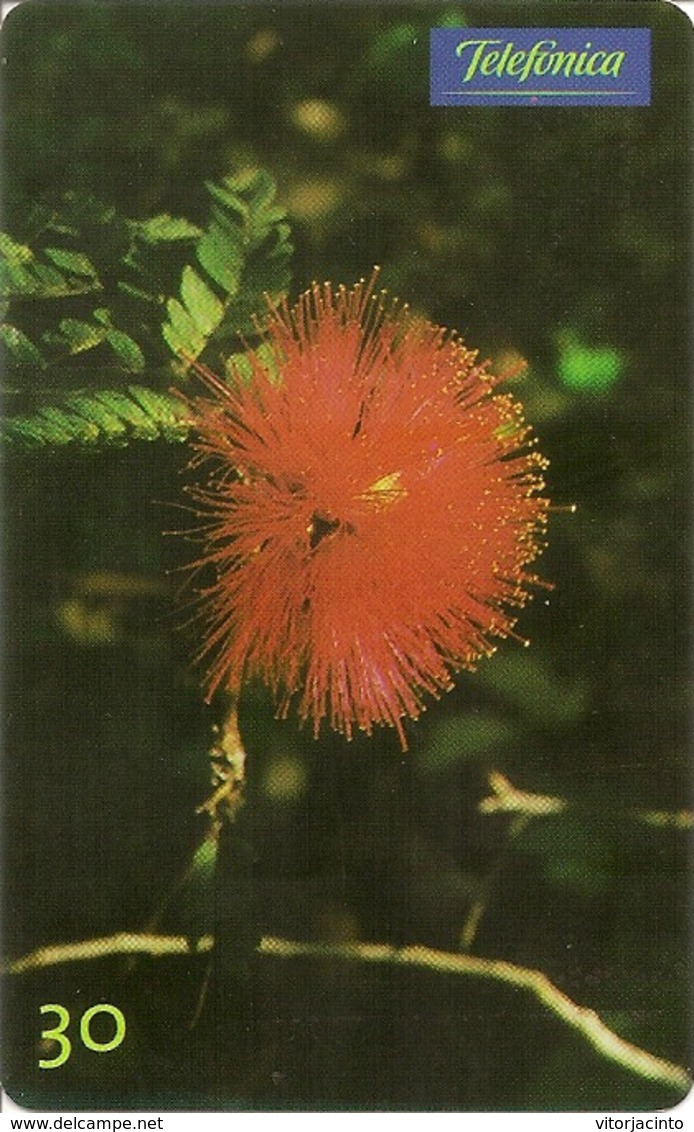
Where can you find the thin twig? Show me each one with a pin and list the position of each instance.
(122, 943)
(579, 1018)
(506, 798)
(228, 764)
(666, 819)
(474, 917)
(228, 761)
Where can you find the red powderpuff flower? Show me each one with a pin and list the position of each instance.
(371, 509)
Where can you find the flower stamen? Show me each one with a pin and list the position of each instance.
(358, 603)
(385, 491)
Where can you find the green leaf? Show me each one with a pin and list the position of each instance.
(228, 197)
(13, 252)
(56, 425)
(81, 335)
(102, 412)
(244, 252)
(239, 367)
(180, 332)
(166, 229)
(51, 280)
(168, 411)
(22, 348)
(221, 259)
(106, 417)
(105, 411)
(137, 293)
(129, 412)
(127, 350)
(15, 279)
(202, 305)
(204, 858)
(21, 273)
(74, 262)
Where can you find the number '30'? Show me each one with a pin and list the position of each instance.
(58, 1034)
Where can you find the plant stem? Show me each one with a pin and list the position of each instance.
(479, 907)
(225, 1002)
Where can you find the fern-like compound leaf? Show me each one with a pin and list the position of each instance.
(105, 417)
(242, 256)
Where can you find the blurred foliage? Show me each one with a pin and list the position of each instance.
(586, 367)
(552, 236)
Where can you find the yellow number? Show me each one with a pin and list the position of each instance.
(85, 1034)
(56, 1035)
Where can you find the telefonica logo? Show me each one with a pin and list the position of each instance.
(543, 58)
(540, 66)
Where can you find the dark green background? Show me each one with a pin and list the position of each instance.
(528, 230)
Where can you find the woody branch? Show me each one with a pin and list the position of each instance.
(581, 1019)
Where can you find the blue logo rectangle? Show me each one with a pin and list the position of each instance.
(540, 66)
